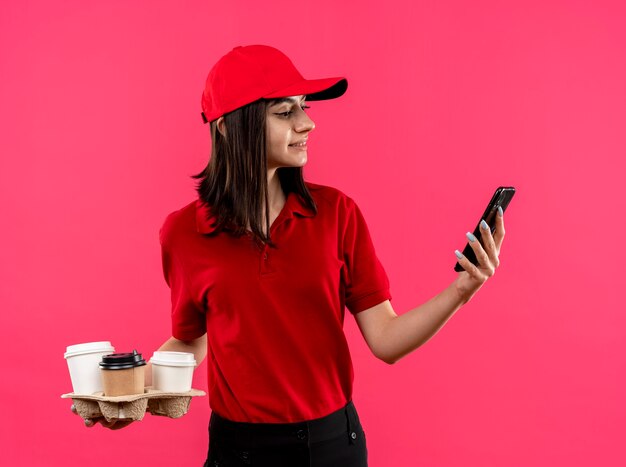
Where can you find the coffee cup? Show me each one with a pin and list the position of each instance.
(123, 374)
(82, 362)
(172, 371)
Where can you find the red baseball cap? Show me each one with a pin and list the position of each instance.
(251, 72)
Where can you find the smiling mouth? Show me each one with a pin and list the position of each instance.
(298, 145)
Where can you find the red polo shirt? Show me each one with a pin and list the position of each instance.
(277, 352)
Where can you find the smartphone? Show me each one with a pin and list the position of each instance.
(502, 197)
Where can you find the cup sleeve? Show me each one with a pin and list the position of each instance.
(188, 317)
(364, 279)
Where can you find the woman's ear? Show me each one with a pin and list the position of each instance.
(221, 126)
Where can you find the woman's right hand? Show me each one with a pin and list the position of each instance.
(112, 425)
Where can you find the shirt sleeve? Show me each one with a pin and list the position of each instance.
(188, 318)
(365, 280)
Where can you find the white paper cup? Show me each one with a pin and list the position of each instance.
(172, 371)
(83, 362)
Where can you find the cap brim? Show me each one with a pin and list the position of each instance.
(314, 89)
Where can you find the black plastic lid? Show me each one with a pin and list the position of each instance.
(121, 361)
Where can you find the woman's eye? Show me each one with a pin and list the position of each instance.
(288, 113)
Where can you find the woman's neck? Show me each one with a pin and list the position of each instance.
(275, 193)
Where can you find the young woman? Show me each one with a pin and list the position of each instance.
(262, 266)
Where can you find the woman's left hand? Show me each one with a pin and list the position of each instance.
(469, 281)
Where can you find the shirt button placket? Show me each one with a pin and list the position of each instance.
(264, 261)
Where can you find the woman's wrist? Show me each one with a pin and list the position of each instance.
(463, 294)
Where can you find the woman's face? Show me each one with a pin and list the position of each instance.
(287, 124)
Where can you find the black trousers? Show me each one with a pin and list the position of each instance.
(334, 440)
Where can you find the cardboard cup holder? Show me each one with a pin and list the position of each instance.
(133, 407)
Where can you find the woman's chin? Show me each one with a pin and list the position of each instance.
(289, 162)
(297, 163)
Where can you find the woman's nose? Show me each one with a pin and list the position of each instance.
(304, 123)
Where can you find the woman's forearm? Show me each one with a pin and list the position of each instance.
(402, 334)
(405, 333)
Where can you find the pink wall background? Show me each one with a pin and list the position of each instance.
(101, 128)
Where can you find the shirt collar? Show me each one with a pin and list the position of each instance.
(293, 205)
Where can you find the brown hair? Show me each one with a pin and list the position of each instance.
(234, 182)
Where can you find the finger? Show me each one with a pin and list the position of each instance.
(115, 424)
(498, 236)
(469, 267)
(107, 424)
(121, 424)
(489, 244)
(481, 255)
